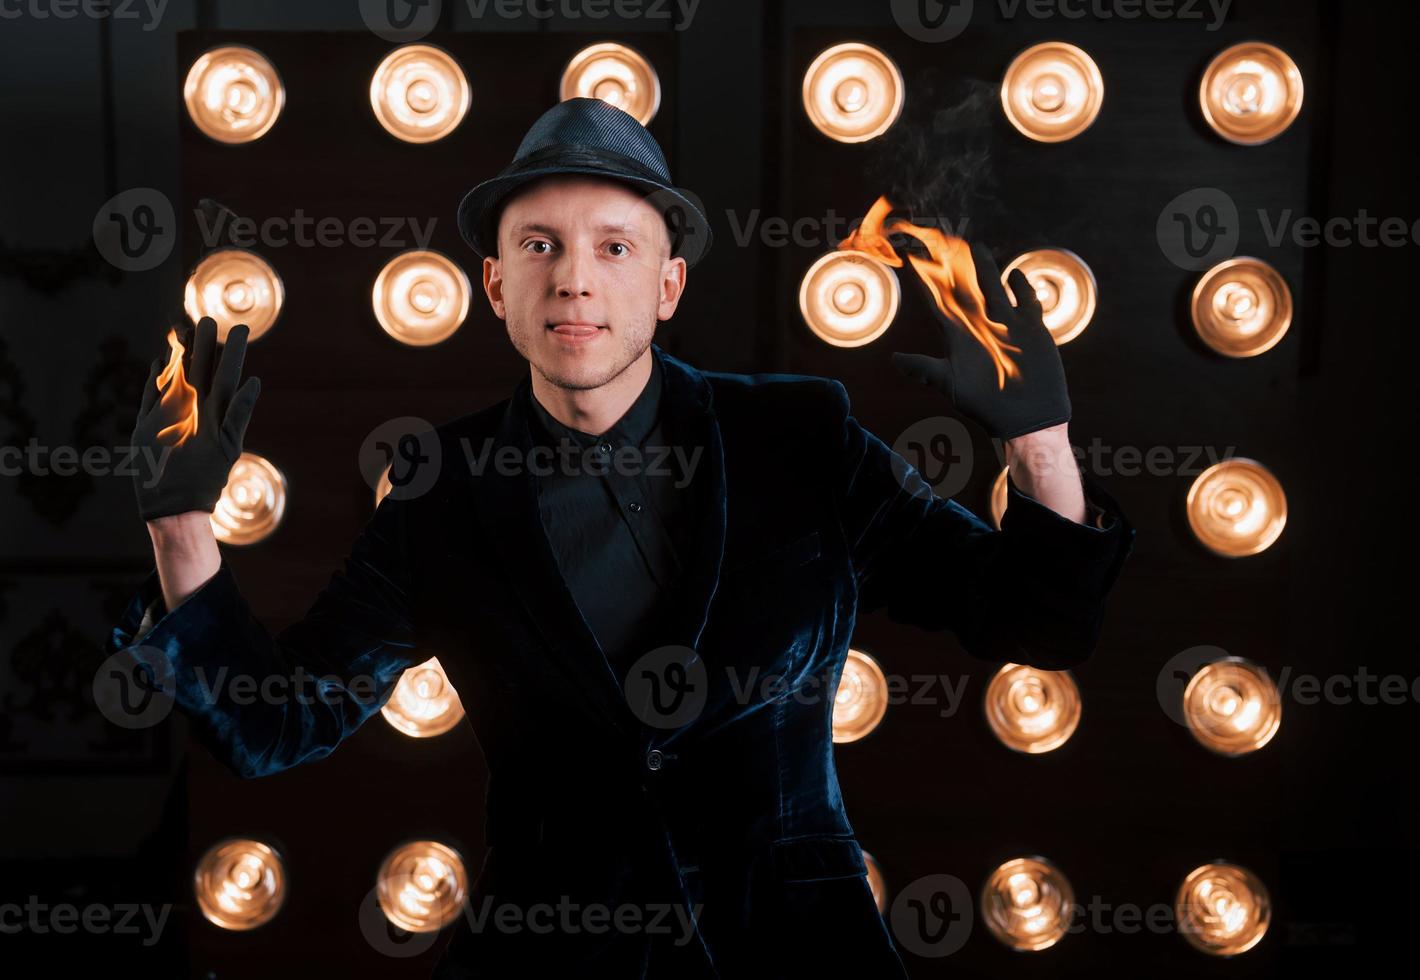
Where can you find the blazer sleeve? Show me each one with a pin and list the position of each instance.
(1031, 593)
(264, 703)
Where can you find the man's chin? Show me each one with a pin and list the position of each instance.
(579, 366)
(575, 368)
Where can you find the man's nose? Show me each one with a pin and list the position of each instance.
(573, 274)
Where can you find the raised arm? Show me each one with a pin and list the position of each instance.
(260, 703)
(264, 703)
(1032, 592)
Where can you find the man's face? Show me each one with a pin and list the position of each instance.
(583, 275)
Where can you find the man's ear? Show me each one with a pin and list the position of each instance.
(493, 286)
(673, 273)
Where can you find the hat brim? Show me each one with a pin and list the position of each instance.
(480, 205)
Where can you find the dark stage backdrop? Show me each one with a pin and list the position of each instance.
(1125, 808)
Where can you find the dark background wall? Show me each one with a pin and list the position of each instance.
(91, 107)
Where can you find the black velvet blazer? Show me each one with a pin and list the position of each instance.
(804, 518)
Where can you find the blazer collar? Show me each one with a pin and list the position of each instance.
(510, 519)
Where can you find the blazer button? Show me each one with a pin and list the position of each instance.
(654, 759)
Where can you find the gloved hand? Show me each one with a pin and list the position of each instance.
(191, 476)
(1036, 399)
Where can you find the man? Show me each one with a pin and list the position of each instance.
(610, 629)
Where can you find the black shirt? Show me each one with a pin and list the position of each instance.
(614, 509)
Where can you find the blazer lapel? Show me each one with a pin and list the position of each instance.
(508, 514)
(688, 395)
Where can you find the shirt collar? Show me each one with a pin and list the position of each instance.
(630, 430)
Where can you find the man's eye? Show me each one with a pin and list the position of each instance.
(535, 244)
(619, 245)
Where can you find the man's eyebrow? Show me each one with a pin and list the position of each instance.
(533, 226)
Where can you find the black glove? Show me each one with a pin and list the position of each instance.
(1036, 399)
(191, 476)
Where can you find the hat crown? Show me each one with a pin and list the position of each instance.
(592, 122)
(590, 137)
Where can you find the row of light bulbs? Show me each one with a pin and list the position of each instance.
(1230, 706)
(419, 298)
(1241, 307)
(1053, 91)
(852, 92)
(418, 92)
(1235, 507)
(1027, 903)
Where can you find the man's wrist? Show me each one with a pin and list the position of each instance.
(1042, 451)
(181, 533)
(1043, 466)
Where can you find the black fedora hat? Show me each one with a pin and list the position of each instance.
(588, 136)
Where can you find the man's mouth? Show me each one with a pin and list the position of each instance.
(575, 330)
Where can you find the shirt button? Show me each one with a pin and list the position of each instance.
(634, 507)
(654, 759)
(604, 447)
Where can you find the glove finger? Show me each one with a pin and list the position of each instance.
(229, 369)
(951, 328)
(204, 343)
(234, 424)
(1027, 301)
(988, 278)
(933, 371)
(151, 392)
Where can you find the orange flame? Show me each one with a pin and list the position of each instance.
(950, 275)
(179, 399)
